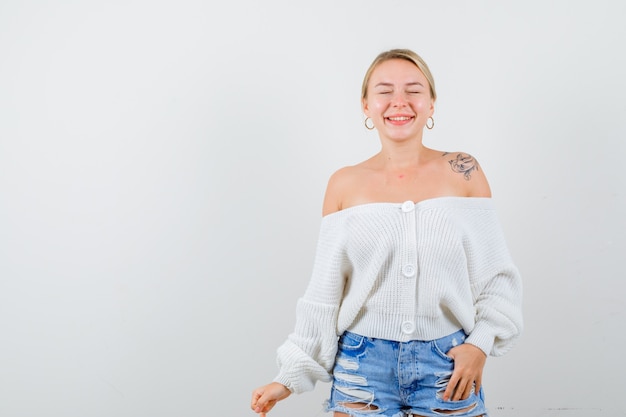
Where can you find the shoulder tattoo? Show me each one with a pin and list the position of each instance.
(463, 164)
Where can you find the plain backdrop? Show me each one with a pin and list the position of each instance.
(163, 164)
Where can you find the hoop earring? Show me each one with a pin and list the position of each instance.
(368, 127)
(432, 123)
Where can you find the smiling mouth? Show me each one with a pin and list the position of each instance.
(399, 118)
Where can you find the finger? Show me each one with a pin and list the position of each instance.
(265, 404)
(458, 392)
(259, 405)
(478, 384)
(461, 391)
(467, 391)
(451, 388)
(255, 400)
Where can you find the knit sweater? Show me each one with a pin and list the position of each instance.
(404, 271)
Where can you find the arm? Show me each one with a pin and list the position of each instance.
(333, 198)
(498, 324)
(308, 353)
(467, 175)
(498, 302)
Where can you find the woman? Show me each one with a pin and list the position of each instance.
(412, 286)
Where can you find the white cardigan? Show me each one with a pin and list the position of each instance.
(404, 272)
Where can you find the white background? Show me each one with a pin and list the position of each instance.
(163, 163)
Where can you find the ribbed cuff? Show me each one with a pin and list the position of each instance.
(482, 337)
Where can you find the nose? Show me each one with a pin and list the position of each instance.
(398, 100)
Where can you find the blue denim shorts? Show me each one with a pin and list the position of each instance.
(394, 379)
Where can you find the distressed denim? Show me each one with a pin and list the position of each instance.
(394, 379)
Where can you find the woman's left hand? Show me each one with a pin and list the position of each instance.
(469, 362)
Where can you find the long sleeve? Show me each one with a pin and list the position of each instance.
(308, 354)
(496, 287)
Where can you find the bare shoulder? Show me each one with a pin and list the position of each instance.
(467, 174)
(338, 183)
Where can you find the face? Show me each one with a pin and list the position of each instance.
(398, 99)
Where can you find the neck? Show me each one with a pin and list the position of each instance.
(402, 156)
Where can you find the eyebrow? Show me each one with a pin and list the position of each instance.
(386, 84)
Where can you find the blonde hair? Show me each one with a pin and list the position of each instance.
(407, 55)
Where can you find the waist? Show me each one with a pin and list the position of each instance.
(403, 328)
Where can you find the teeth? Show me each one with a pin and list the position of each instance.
(399, 119)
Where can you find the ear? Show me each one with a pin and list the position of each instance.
(365, 107)
(432, 107)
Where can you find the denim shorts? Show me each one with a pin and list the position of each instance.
(394, 379)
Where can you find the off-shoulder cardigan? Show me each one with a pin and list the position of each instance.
(404, 271)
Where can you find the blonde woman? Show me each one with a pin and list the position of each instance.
(413, 286)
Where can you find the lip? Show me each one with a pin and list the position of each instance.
(399, 119)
